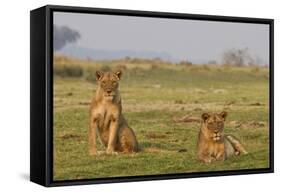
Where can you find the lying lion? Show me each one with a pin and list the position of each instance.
(106, 118)
(212, 144)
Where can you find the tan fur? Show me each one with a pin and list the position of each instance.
(106, 118)
(212, 144)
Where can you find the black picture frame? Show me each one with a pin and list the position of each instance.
(41, 93)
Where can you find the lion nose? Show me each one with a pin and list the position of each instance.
(108, 91)
(216, 131)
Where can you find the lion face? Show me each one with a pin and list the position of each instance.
(214, 124)
(108, 83)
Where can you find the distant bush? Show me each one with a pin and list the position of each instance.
(212, 62)
(105, 68)
(90, 74)
(68, 71)
(185, 63)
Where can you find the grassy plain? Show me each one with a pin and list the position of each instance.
(153, 93)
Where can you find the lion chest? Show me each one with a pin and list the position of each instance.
(216, 148)
(105, 115)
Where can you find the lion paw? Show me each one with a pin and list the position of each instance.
(111, 152)
(101, 152)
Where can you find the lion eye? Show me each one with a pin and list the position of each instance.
(114, 82)
(103, 82)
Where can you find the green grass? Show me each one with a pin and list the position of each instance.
(151, 98)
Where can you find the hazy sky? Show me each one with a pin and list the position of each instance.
(182, 39)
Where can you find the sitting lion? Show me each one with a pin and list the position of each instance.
(106, 117)
(212, 144)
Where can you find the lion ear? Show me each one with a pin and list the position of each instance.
(205, 116)
(118, 74)
(99, 75)
(223, 114)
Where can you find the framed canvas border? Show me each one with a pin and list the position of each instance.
(41, 94)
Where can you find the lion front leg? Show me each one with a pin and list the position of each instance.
(205, 157)
(113, 134)
(220, 152)
(93, 136)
